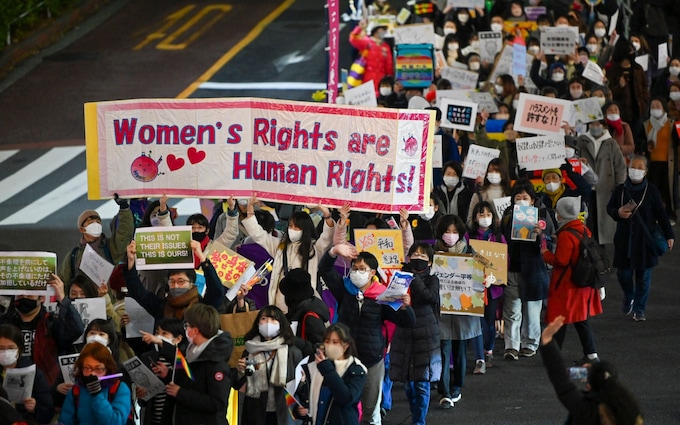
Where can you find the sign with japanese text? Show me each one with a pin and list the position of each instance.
(461, 287)
(396, 289)
(496, 253)
(95, 266)
(160, 248)
(26, 272)
(229, 265)
(375, 159)
(414, 65)
(414, 34)
(461, 79)
(484, 101)
(490, 43)
(364, 95)
(386, 244)
(541, 152)
(501, 204)
(541, 114)
(477, 160)
(558, 40)
(458, 114)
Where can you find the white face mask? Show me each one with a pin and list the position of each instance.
(515, 103)
(499, 88)
(602, 100)
(94, 229)
(463, 17)
(616, 117)
(558, 76)
(452, 47)
(97, 338)
(448, 31)
(570, 152)
(636, 45)
(294, 235)
(674, 70)
(674, 95)
(596, 131)
(485, 222)
(592, 48)
(533, 50)
(428, 215)
(523, 202)
(155, 221)
(552, 187)
(600, 32)
(576, 94)
(656, 113)
(496, 27)
(359, 279)
(334, 351)
(474, 66)
(189, 339)
(636, 175)
(451, 181)
(166, 339)
(9, 357)
(269, 329)
(493, 178)
(385, 91)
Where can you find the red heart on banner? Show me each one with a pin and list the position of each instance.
(175, 163)
(195, 156)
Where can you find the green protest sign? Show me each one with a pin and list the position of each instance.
(161, 248)
(26, 273)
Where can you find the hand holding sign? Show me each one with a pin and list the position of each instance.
(58, 285)
(198, 252)
(132, 254)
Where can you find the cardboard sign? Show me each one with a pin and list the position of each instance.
(386, 244)
(95, 266)
(497, 255)
(558, 40)
(541, 152)
(458, 114)
(540, 114)
(26, 272)
(524, 219)
(586, 110)
(460, 79)
(477, 161)
(230, 266)
(364, 95)
(160, 248)
(414, 34)
(490, 43)
(461, 288)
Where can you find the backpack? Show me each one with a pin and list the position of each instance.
(112, 395)
(592, 264)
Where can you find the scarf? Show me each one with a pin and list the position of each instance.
(175, 306)
(458, 248)
(657, 124)
(316, 382)
(616, 125)
(259, 351)
(556, 195)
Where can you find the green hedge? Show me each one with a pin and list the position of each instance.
(20, 26)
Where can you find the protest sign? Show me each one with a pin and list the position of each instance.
(140, 319)
(89, 309)
(524, 28)
(26, 272)
(524, 219)
(389, 21)
(18, 382)
(160, 248)
(484, 101)
(533, 12)
(541, 152)
(662, 62)
(643, 61)
(67, 365)
(593, 72)
(364, 95)
(461, 288)
(540, 114)
(470, 4)
(490, 43)
(386, 244)
(285, 151)
(558, 40)
(460, 79)
(437, 159)
(397, 288)
(414, 34)
(477, 160)
(414, 65)
(502, 64)
(586, 110)
(403, 16)
(501, 204)
(458, 114)
(519, 59)
(229, 265)
(612, 22)
(142, 376)
(496, 254)
(95, 266)
(451, 94)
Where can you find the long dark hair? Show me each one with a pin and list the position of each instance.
(479, 208)
(502, 168)
(302, 220)
(621, 403)
(275, 313)
(442, 226)
(344, 335)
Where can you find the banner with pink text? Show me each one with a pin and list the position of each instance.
(294, 152)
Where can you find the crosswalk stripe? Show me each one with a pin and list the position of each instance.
(37, 169)
(7, 154)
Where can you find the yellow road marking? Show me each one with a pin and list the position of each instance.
(171, 21)
(167, 43)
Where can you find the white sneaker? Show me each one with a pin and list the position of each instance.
(445, 403)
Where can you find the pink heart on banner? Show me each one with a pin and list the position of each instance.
(175, 163)
(195, 156)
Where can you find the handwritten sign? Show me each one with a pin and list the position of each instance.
(519, 59)
(477, 160)
(386, 244)
(501, 204)
(540, 114)
(460, 79)
(558, 40)
(490, 43)
(484, 101)
(451, 94)
(89, 309)
(459, 114)
(541, 152)
(524, 219)
(363, 95)
(414, 65)
(26, 273)
(593, 73)
(229, 265)
(414, 34)
(502, 64)
(140, 319)
(160, 248)
(437, 153)
(497, 255)
(586, 110)
(95, 266)
(461, 288)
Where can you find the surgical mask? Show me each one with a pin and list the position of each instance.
(155, 221)
(674, 95)
(674, 70)
(562, 26)
(9, 357)
(166, 339)
(600, 32)
(602, 100)
(189, 339)
(463, 17)
(523, 202)
(558, 76)
(385, 91)
(616, 117)
(25, 305)
(596, 131)
(499, 88)
(552, 187)
(294, 235)
(451, 181)
(500, 116)
(452, 46)
(636, 175)
(485, 222)
(636, 45)
(178, 292)
(657, 113)
(496, 27)
(428, 215)
(493, 178)
(269, 329)
(448, 31)
(334, 351)
(474, 66)
(94, 229)
(592, 48)
(576, 94)
(571, 152)
(533, 50)
(515, 103)
(97, 338)
(583, 59)
(450, 239)
(359, 278)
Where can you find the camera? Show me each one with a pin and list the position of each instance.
(578, 374)
(250, 367)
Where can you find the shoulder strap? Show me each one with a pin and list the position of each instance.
(74, 253)
(304, 320)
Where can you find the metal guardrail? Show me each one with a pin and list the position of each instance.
(27, 12)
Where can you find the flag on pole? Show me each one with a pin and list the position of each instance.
(290, 402)
(181, 361)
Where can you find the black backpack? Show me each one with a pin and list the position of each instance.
(592, 264)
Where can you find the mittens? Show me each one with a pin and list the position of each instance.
(122, 203)
(92, 384)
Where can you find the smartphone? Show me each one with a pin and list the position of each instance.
(630, 206)
(578, 374)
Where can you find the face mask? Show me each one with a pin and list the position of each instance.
(26, 305)
(9, 357)
(523, 202)
(385, 91)
(485, 222)
(534, 50)
(600, 32)
(450, 239)
(576, 94)
(98, 338)
(562, 25)
(358, 279)
(552, 187)
(496, 27)
(474, 66)
(155, 221)
(166, 339)
(583, 59)
(592, 48)
(636, 175)
(294, 235)
(452, 47)
(515, 103)
(636, 45)
(197, 236)
(657, 113)
(177, 292)
(571, 152)
(502, 116)
(428, 215)
(674, 95)
(616, 117)
(475, 45)
(596, 131)
(334, 351)
(189, 339)
(674, 70)
(269, 329)
(448, 31)
(451, 181)
(419, 265)
(602, 101)
(94, 229)
(463, 17)
(493, 178)
(499, 88)
(558, 76)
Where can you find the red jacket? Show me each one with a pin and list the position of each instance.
(379, 62)
(565, 298)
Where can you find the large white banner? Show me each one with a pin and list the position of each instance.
(376, 159)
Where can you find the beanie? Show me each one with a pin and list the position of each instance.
(568, 207)
(85, 215)
(551, 170)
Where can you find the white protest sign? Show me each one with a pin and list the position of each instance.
(364, 95)
(490, 43)
(484, 101)
(451, 94)
(470, 4)
(663, 56)
(519, 60)
(18, 382)
(437, 161)
(503, 63)
(142, 375)
(586, 110)
(95, 266)
(460, 78)
(541, 114)
(558, 40)
(593, 73)
(477, 160)
(140, 319)
(501, 204)
(613, 21)
(541, 152)
(89, 309)
(458, 114)
(643, 61)
(67, 365)
(403, 16)
(414, 34)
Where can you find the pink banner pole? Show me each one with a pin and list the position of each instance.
(333, 7)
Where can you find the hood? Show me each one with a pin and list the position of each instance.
(311, 304)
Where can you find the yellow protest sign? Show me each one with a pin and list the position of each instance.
(386, 244)
(229, 265)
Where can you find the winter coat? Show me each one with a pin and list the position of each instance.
(44, 404)
(379, 62)
(582, 189)
(314, 327)
(631, 245)
(339, 395)
(97, 409)
(672, 162)
(415, 354)
(632, 108)
(610, 167)
(364, 320)
(457, 201)
(566, 299)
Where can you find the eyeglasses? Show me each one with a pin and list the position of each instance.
(97, 369)
(186, 325)
(173, 282)
(364, 270)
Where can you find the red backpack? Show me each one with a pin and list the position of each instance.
(112, 394)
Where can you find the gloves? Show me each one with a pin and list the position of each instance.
(122, 203)
(92, 384)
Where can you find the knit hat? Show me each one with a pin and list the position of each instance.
(556, 65)
(297, 285)
(568, 207)
(85, 215)
(551, 170)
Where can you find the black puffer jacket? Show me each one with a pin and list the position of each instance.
(314, 326)
(365, 322)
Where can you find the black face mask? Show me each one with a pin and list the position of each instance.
(197, 236)
(25, 305)
(418, 265)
